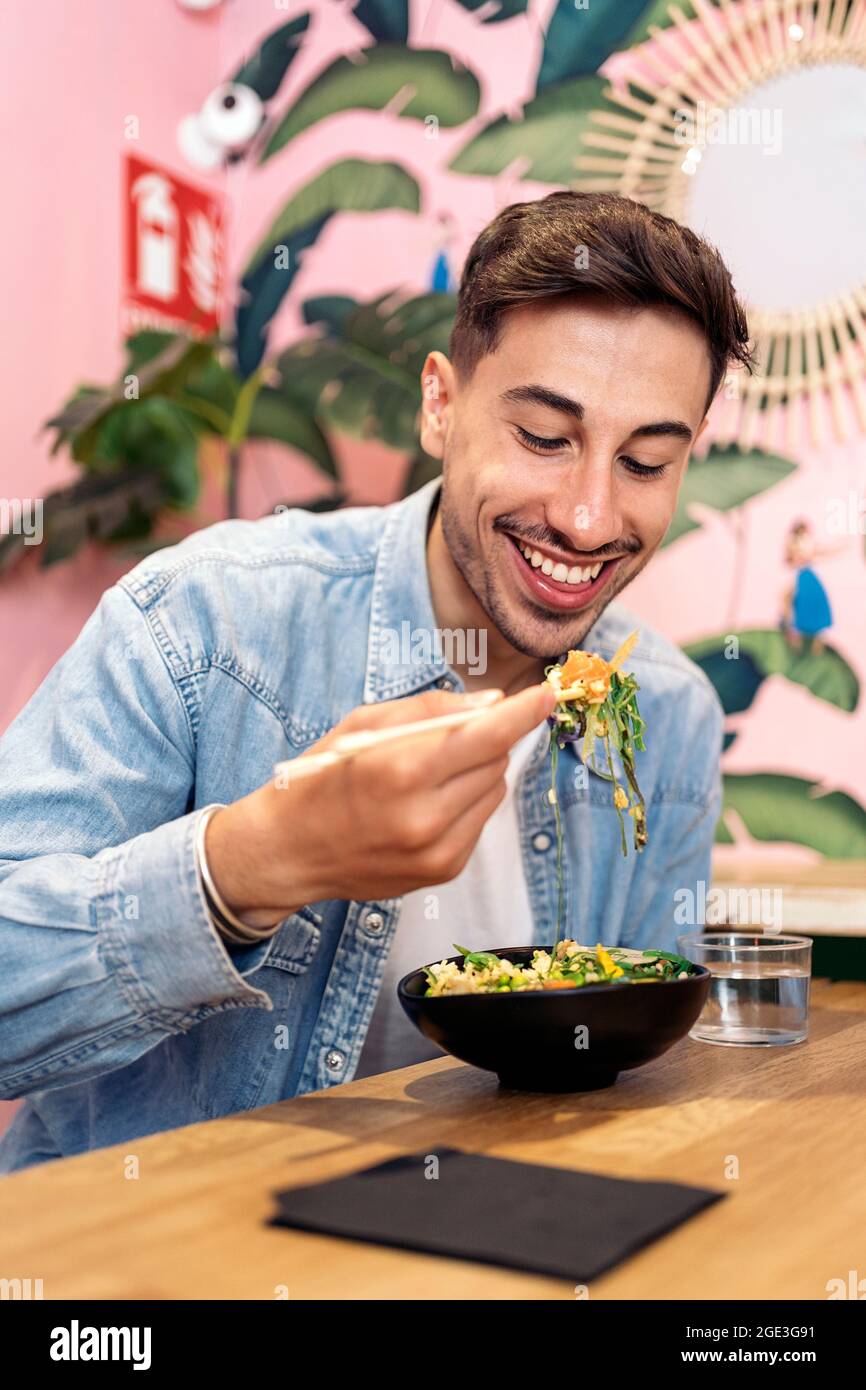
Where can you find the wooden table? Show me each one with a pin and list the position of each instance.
(192, 1224)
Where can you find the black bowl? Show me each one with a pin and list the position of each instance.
(530, 1038)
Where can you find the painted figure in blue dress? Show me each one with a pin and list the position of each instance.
(807, 614)
(442, 275)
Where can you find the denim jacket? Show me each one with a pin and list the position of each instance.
(121, 1011)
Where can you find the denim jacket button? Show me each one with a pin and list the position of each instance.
(541, 841)
(374, 921)
(445, 683)
(334, 1059)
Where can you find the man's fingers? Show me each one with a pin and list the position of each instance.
(430, 705)
(490, 736)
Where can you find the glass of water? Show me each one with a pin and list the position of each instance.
(759, 991)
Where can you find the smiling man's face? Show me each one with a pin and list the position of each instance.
(562, 459)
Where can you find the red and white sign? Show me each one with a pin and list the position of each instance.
(174, 257)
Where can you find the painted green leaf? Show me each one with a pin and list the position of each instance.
(263, 289)
(766, 652)
(427, 81)
(736, 682)
(269, 64)
(656, 13)
(724, 479)
(386, 20)
(548, 135)
(507, 9)
(791, 810)
(350, 185)
(579, 39)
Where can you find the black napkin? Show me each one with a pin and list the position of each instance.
(547, 1220)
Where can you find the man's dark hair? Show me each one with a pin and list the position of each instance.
(605, 245)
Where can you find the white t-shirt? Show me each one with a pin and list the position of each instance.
(485, 905)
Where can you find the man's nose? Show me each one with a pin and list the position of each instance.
(588, 510)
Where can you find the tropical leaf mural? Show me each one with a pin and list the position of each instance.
(739, 663)
(426, 81)
(580, 37)
(546, 137)
(265, 70)
(774, 807)
(725, 478)
(352, 185)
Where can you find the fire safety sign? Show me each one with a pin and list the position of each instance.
(174, 269)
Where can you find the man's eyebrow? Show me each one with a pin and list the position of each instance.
(675, 427)
(554, 400)
(543, 395)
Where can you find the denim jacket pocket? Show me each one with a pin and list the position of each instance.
(297, 941)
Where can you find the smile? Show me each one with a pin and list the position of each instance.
(553, 581)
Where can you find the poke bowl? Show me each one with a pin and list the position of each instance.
(569, 1021)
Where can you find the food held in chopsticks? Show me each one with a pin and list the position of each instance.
(597, 702)
(568, 966)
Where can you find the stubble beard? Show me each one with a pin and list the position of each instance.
(561, 632)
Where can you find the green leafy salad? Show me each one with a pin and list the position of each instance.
(569, 966)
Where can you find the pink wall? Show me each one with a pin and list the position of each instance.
(72, 73)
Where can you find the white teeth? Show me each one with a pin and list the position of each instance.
(557, 569)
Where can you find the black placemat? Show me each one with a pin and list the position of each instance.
(521, 1215)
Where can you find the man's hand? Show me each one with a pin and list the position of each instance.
(379, 824)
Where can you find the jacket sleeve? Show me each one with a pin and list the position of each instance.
(106, 946)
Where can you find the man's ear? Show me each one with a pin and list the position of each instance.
(701, 427)
(437, 398)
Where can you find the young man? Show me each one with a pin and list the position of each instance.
(164, 962)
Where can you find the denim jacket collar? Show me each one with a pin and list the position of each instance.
(401, 595)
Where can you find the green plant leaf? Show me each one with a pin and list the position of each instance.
(578, 41)
(210, 393)
(422, 469)
(162, 363)
(775, 808)
(276, 416)
(766, 652)
(724, 479)
(153, 436)
(274, 56)
(426, 81)
(93, 506)
(330, 309)
(362, 376)
(548, 135)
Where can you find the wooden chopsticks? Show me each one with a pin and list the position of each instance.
(347, 745)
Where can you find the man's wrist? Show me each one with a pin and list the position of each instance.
(241, 863)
